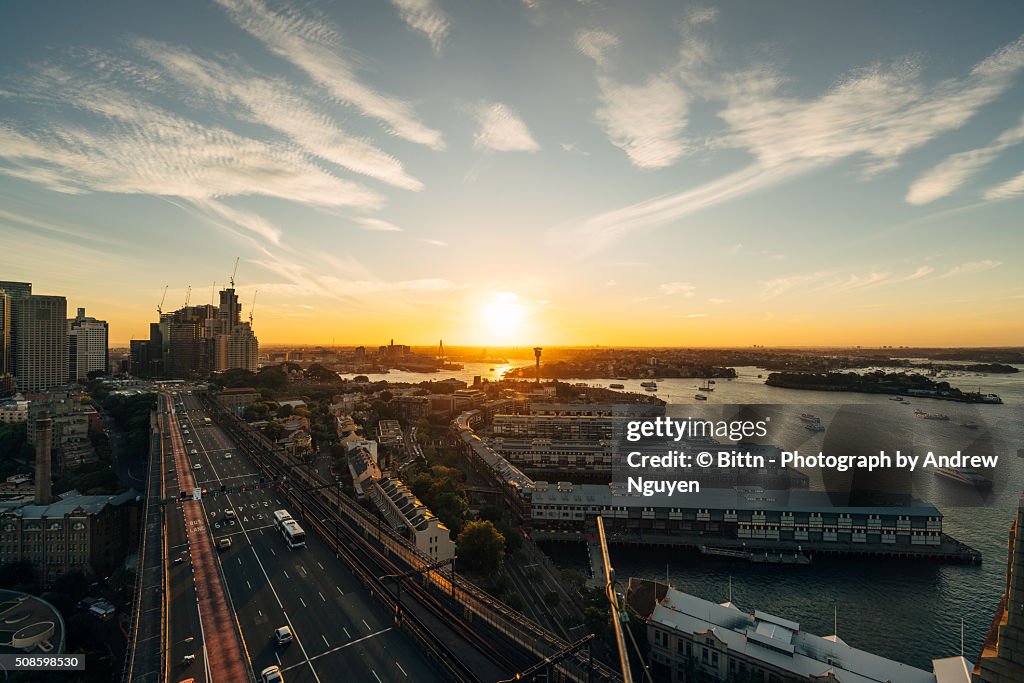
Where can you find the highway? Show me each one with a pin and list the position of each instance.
(339, 630)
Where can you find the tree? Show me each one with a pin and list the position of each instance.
(481, 548)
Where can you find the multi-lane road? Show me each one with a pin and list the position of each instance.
(340, 632)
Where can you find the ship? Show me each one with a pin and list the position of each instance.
(649, 385)
(965, 475)
(616, 386)
(815, 427)
(700, 397)
(706, 387)
(930, 416)
(808, 417)
(654, 388)
(895, 398)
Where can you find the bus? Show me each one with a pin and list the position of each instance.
(290, 529)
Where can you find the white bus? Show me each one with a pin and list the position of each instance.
(290, 529)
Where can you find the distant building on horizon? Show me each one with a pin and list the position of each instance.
(87, 346)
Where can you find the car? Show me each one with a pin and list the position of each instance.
(229, 514)
(189, 442)
(195, 452)
(178, 560)
(185, 432)
(197, 466)
(283, 635)
(272, 674)
(224, 544)
(227, 456)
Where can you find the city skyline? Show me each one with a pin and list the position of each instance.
(524, 173)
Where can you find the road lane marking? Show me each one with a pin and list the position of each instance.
(286, 574)
(321, 596)
(248, 584)
(347, 635)
(401, 669)
(366, 625)
(336, 648)
(325, 640)
(302, 601)
(320, 565)
(376, 676)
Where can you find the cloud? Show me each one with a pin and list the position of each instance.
(1014, 187)
(875, 115)
(315, 48)
(275, 104)
(970, 267)
(376, 224)
(957, 169)
(611, 283)
(425, 17)
(595, 44)
(249, 221)
(436, 243)
(644, 121)
(673, 288)
(571, 148)
(500, 129)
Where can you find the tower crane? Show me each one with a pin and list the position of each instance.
(233, 272)
(160, 306)
(188, 295)
(253, 307)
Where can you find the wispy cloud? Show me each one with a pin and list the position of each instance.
(594, 44)
(376, 224)
(1014, 187)
(876, 114)
(673, 288)
(957, 169)
(645, 121)
(424, 16)
(433, 242)
(971, 267)
(316, 48)
(219, 211)
(275, 104)
(499, 128)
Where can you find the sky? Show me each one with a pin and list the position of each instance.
(521, 172)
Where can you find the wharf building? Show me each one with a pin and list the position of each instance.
(695, 639)
(730, 519)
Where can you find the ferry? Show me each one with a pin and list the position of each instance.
(706, 387)
(930, 416)
(965, 475)
(654, 388)
(649, 385)
(616, 386)
(815, 427)
(700, 397)
(808, 417)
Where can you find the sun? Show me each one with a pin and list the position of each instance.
(502, 314)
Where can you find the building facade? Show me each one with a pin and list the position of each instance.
(408, 515)
(87, 347)
(41, 342)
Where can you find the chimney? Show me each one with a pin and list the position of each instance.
(43, 439)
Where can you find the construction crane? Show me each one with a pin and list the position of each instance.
(234, 272)
(615, 600)
(253, 307)
(213, 293)
(188, 295)
(160, 306)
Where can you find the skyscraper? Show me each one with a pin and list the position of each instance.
(40, 342)
(13, 292)
(87, 346)
(6, 379)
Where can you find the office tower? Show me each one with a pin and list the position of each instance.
(6, 377)
(87, 346)
(12, 293)
(242, 348)
(40, 342)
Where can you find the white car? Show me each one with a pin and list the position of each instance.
(197, 466)
(195, 452)
(189, 442)
(272, 674)
(227, 456)
(283, 635)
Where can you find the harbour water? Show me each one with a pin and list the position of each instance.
(908, 611)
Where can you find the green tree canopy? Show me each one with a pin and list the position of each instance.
(481, 548)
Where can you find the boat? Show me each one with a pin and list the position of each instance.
(969, 425)
(815, 427)
(759, 376)
(930, 416)
(700, 397)
(649, 385)
(759, 556)
(651, 388)
(895, 398)
(965, 475)
(808, 417)
(706, 387)
(616, 386)
(711, 381)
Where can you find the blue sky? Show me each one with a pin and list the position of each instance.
(524, 171)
